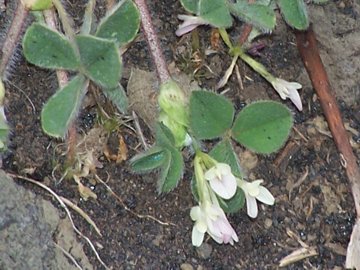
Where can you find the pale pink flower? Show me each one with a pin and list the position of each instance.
(189, 24)
(211, 218)
(288, 90)
(221, 180)
(254, 191)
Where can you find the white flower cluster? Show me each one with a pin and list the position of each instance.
(209, 217)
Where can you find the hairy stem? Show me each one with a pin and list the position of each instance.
(63, 79)
(153, 42)
(13, 36)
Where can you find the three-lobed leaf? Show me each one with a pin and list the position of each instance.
(164, 136)
(294, 13)
(261, 16)
(211, 115)
(215, 12)
(191, 6)
(172, 170)
(62, 108)
(263, 126)
(118, 97)
(121, 24)
(148, 160)
(47, 48)
(100, 60)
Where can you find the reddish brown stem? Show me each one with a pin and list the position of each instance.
(246, 30)
(306, 43)
(13, 36)
(153, 41)
(63, 79)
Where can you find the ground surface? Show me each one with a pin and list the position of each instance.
(313, 201)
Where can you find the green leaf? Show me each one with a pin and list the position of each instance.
(118, 97)
(211, 115)
(121, 23)
(224, 152)
(191, 6)
(294, 13)
(149, 160)
(215, 12)
(234, 204)
(172, 170)
(100, 60)
(48, 49)
(164, 136)
(62, 108)
(263, 126)
(260, 16)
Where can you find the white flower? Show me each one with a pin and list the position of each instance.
(211, 218)
(221, 180)
(288, 90)
(189, 24)
(254, 191)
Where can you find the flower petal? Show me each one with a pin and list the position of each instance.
(295, 98)
(251, 206)
(197, 237)
(253, 188)
(195, 213)
(265, 196)
(184, 29)
(225, 187)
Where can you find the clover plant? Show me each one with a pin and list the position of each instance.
(90, 56)
(203, 117)
(261, 15)
(218, 183)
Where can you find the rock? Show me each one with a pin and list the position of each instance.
(204, 251)
(186, 266)
(27, 225)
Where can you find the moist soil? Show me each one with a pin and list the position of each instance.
(143, 230)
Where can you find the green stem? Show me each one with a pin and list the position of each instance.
(224, 35)
(259, 68)
(65, 20)
(200, 179)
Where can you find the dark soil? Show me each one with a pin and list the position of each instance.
(313, 200)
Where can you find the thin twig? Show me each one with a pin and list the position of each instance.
(139, 131)
(81, 213)
(62, 204)
(153, 42)
(67, 254)
(23, 92)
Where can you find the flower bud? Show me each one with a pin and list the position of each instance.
(173, 102)
(37, 4)
(178, 130)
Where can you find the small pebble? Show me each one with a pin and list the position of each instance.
(268, 223)
(204, 251)
(186, 266)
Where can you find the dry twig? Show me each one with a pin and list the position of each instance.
(306, 42)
